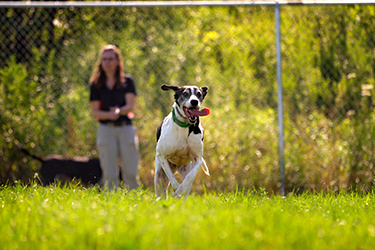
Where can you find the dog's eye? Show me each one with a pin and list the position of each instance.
(199, 94)
(185, 94)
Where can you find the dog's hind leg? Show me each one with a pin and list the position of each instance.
(184, 170)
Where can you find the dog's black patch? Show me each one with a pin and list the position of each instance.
(177, 95)
(158, 131)
(195, 128)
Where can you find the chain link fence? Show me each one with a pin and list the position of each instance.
(328, 66)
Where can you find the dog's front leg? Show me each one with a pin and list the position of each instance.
(160, 180)
(168, 171)
(185, 187)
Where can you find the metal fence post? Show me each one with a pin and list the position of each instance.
(280, 99)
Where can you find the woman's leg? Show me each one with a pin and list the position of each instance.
(129, 156)
(107, 146)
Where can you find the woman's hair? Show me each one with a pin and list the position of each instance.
(99, 77)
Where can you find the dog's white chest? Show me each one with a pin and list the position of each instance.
(177, 145)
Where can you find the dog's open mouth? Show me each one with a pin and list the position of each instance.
(193, 113)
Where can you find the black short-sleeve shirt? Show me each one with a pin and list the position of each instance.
(113, 97)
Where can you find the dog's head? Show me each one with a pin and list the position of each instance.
(188, 99)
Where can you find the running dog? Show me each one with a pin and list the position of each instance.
(180, 141)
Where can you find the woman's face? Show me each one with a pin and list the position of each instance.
(109, 62)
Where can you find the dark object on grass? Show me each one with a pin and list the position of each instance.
(56, 167)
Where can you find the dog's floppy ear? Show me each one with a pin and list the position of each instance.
(204, 91)
(170, 87)
(177, 91)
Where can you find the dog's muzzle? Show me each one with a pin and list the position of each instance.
(191, 114)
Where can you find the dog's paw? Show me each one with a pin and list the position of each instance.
(177, 190)
(177, 193)
(176, 187)
(183, 190)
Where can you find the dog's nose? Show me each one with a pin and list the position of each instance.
(194, 102)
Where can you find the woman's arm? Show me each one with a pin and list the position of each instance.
(113, 114)
(130, 100)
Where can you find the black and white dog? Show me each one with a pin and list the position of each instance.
(180, 141)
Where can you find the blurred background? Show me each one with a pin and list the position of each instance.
(328, 68)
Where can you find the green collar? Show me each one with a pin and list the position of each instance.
(180, 123)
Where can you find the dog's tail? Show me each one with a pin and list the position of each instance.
(205, 168)
(30, 154)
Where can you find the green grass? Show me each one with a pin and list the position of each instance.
(72, 217)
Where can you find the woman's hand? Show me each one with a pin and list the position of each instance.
(114, 113)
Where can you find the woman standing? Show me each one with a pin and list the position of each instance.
(112, 97)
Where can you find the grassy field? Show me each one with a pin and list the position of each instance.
(76, 218)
